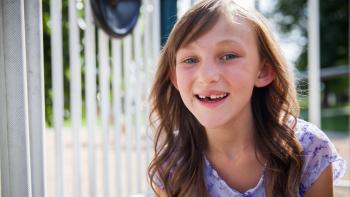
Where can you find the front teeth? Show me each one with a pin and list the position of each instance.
(217, 96)
(213, 96)
(201, 97)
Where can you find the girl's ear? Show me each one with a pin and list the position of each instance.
(266, 75)
(172, 76)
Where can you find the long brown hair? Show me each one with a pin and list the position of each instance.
(180, 139)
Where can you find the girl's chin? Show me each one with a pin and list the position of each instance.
(211, 124)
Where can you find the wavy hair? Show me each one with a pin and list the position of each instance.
(178, 163)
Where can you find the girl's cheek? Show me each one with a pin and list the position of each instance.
(184, 73)
(184, 81)
(237, 70)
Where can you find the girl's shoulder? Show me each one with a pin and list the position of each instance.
(310, 136)
(318, 153)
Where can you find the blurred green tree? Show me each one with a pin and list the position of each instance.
(334, 22)
(334, 46)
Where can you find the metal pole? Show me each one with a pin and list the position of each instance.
(117, 111)
(57, 87)
(75, 90)
(90, 94)
(104, 72)
(34, 52)
(314, 62)
(14, 146)
(147, 63)
(4, 166)
(138, 58)
(128, 110)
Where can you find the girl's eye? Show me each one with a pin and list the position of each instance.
(229, 56)
(190, 60)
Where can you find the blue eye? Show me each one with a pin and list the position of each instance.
(229, 56)
(190, 60)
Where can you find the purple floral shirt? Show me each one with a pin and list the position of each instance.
(318, 151)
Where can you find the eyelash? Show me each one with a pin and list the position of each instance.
(186, 61)
(225, 57)
(229, 55)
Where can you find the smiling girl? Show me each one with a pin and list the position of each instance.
(225, 113)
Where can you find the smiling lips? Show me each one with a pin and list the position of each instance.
(212, 98)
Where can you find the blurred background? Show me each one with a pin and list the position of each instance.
(97, 141)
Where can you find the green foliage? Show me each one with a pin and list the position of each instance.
(47, 62)
(334, 20)
(334, 49)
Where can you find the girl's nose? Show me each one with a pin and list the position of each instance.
(208, 73)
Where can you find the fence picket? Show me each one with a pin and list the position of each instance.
(117, 69)
(128, 64)
(75, 90)
(90, 88)
(103, 53)
(57, 83)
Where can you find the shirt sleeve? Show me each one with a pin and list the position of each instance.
(318, 152)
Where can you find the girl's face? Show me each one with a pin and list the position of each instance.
(216, 74)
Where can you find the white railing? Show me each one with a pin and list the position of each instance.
(124, 71)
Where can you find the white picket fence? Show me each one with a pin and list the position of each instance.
(119, 103)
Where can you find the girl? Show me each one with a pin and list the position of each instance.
(225, 112)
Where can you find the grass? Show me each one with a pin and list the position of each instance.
(337, 123)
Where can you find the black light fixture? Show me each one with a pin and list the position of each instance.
(116, 17)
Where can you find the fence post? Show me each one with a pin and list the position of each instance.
(90, 94)
(14, 133)
(58, 91)
(314, 62)
(34, 53)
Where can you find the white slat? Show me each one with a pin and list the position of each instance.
(128, 109)
(117, 77)
(75, 92)
(4, 165)
(156, 29)
(139, 111)
(57, 82)
(314, 62)
(35, 78)
(104, 91)
(147, 63)
(90, 88)
(14, 146)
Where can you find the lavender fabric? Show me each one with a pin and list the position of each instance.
(318, 153)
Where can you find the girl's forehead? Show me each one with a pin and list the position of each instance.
(234, 29)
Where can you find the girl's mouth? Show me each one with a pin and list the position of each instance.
(213, 98)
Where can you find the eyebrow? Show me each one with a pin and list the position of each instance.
(227, 41)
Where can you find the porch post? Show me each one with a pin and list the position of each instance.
(314, 63)
(35, 79)
(14, 133)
